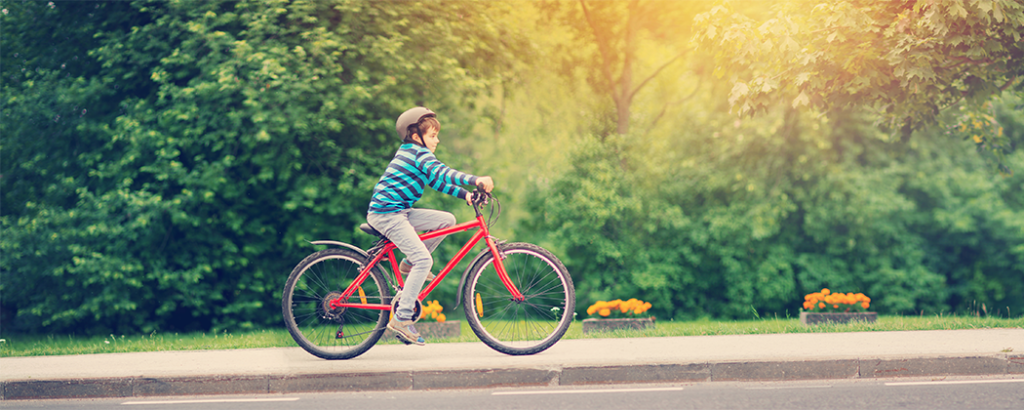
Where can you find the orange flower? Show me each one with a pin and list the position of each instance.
(865, 305)
(821, 305)
(630, 307)
(825, 291)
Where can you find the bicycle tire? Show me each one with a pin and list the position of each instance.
(530, 326)
(342, 333)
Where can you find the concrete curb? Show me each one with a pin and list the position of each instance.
(867, 368)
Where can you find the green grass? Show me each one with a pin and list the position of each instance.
(14, 346)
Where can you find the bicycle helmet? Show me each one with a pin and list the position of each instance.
(410, 118)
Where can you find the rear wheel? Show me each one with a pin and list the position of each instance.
(328, 333)
(520, 327)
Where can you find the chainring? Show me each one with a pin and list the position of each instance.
(417, 310)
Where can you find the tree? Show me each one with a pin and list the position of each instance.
(906, 60)
(625, 45)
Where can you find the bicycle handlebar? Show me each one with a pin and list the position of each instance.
(481, 198)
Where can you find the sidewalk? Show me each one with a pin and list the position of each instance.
(473, 365)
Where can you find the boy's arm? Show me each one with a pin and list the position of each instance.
(444, 179)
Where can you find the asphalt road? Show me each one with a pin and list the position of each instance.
(897, 393)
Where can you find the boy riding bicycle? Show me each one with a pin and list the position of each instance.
(391, 213)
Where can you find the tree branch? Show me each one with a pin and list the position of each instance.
(664, 108)
(1008, 83)
(963, 95)
(964, 60)
(656, 72)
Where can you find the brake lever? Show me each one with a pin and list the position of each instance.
(481, 197)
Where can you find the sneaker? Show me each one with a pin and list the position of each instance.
(406, 331)
(405, 269)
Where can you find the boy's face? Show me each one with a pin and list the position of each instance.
(430, 139)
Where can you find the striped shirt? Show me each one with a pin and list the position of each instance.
(413, 168)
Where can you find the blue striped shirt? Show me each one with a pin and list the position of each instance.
(413, 168)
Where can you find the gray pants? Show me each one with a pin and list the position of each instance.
(401, 227)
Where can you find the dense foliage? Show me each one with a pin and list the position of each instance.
(908, 59)
(740, 219)
(164, 162)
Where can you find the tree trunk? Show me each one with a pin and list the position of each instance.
(625, 83)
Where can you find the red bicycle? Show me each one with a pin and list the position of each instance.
(519, 297)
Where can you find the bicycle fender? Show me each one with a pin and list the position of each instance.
(462, 281)
(342, 244)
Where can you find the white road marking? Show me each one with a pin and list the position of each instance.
(789, 387)
(954, 382)
(513, 393)
(212, 401)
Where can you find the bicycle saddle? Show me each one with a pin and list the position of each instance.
(369, 229)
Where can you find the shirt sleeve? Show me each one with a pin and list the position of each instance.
(443, 178)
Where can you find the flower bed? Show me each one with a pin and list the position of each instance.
(828, 307)
(618, 308)
(618, 314)
(826, 301)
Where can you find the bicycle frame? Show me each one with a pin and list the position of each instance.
(389, 251)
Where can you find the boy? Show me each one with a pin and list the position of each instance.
(391, 212)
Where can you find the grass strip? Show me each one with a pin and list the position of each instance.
(34, 345)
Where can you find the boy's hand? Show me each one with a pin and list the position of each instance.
(486, 183)
(469, 199)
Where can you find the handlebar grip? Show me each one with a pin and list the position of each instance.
(481, 197)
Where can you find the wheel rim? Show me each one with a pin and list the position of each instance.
(328, 331)
(536, 319)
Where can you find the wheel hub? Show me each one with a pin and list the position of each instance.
(325, 307)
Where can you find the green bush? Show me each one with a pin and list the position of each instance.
(165, 162)
(731, 221)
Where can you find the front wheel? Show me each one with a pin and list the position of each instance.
(520, 327)
(341, 333)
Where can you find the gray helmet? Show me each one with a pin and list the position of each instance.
(411, 117)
